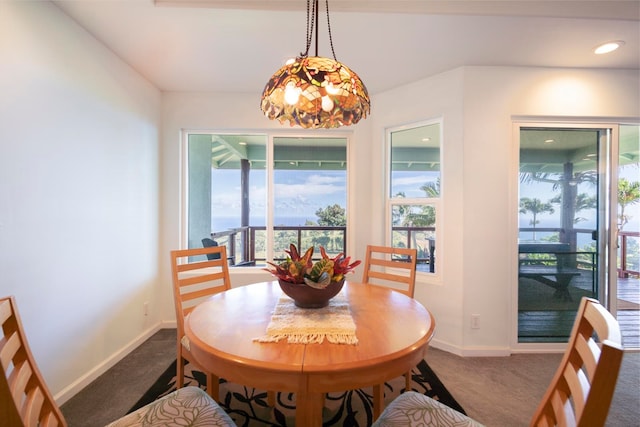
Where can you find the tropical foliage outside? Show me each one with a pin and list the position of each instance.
(628, 194)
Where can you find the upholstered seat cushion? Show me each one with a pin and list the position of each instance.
(188, 406)
(413, 409)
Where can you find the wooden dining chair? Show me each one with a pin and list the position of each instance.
(579, 394)
(197, 274)
(391, 267)
(394, 268)
(195, 279)
(25, 399)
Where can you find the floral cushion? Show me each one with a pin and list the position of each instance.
(413, 409)
(188, 406)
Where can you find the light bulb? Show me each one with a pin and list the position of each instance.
(331, 89)
(291, 93)
(327, 104)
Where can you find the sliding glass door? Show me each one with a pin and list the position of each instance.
(626, 293)
(566, 225)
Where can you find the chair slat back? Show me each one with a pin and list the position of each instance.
(25, 399)
(582, 388)
(391, 267)
(196, 277)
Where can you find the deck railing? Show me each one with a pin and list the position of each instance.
(624, 270)
(241, 241)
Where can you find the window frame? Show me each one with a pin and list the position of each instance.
(270, 136)
(435, 202)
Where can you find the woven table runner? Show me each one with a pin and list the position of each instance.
(311, 325)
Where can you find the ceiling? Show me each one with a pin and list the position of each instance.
(236, 45)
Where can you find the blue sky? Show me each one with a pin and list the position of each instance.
(297, 193)
(302, 193)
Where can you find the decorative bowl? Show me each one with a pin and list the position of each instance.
(305, 296)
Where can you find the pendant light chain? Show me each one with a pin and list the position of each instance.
(310, 26)
(329, 27)
(312, 11)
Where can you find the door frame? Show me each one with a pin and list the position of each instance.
(607, 175)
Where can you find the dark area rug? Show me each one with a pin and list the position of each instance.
(248, 406)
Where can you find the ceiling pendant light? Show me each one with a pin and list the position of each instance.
(315, 92)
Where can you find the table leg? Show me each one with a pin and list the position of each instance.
(309, 409)
(378, 400)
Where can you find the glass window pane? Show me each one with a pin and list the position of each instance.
(415, 162)
(227, 192)
(310, 194)
(415, 176)
(558, 227)
(414, 227)
(628, 215)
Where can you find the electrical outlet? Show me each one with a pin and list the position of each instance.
(145, 308)
(475, 321)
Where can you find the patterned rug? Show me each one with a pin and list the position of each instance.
(248, 406)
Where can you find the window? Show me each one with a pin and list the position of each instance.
(232, 180)
(414, 190)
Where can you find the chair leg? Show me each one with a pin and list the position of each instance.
(271, 398)
(180, 372)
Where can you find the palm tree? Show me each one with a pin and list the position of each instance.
(400, 211)
(567, 182)
(432, 189)
(628, 194)
(583, 202)
(536, 207)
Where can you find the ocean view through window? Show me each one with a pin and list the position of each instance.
(232, 179)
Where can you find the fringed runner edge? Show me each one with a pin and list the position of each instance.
(304, 338)
(299, 326)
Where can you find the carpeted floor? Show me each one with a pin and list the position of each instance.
(248, 407)
(496, 391)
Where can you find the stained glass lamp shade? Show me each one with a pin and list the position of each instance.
(313, 91)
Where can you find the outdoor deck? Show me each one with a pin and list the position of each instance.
(629, 311)
(554, 324)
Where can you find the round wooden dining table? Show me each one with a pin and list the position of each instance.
(393, 333)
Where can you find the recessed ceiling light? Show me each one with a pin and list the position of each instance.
(242, 143)
(608, 47)
(426, 139)
(549, 141)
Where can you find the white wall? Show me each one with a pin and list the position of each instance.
(78, 194)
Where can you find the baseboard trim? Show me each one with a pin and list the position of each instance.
(76, 386)
(168, 324)
(470, 351)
